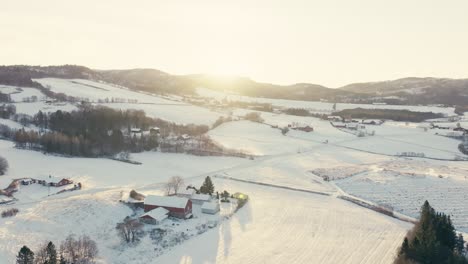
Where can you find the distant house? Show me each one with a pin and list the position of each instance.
(334, 118)
(51, 181)
(179, 207)
(210, 207)
(184, 137)
(154, 131)
(200, 198)
(338, 124)
(372, 122)
(352, 126)
(27, 181)
(305, 128)
(155, 216)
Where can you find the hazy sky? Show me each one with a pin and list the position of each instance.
(329, 42)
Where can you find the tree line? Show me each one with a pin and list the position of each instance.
(390, 114)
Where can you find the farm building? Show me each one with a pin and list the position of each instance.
(200, 198)
(179, 207)
(187, 193)
(155, 216)
(210, 207)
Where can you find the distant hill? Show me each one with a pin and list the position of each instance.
(417, 90)
(402, 91)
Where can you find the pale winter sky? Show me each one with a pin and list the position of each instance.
(329, 42)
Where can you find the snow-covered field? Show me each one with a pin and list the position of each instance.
(318, 107)
(273, 217)
(277, 225)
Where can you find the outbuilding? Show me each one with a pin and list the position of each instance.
(210, 207)
(200, 198)
(187, 193)
(155, 216)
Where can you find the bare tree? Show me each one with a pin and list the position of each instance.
(128, 229)
(82, 250)
(177, 183)
(3, 165)
(174, 183)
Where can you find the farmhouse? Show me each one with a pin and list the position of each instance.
(210, 207)
(155, 216)
(177, 206)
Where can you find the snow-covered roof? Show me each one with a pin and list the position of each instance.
(201, 197)
(136, 130)
(186, 192)
(157, 214)
(166, 201)
(210, 206)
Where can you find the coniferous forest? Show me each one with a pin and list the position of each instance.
(433, 240)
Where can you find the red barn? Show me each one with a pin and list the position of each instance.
(179, 207)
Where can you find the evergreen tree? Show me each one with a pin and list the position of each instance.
(432, 240)
(25, 256)
(51, 254)
(207, 187)
(460, 244)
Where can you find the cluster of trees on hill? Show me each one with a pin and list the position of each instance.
(390, 114)
(432, 240)
(97, 131)
(72, 250)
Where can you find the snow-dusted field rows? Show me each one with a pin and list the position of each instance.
(406, 193)
(320, 107)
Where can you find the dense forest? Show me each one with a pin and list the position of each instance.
(432, 240)
(388, 114)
